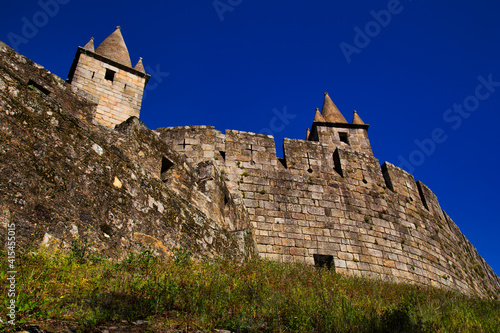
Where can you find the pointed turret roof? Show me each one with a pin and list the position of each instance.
(139, 66)
(330, 111)
(356, 119)
(318, 117)
(114, 48)
(90, 45)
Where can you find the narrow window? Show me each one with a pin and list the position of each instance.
(166, 164)
(93, 73)
(125, 87)
(283, 162)
(310, 170)
(110, 75)
(32, 84)
(387, 177)
(422, 195)
(343, 137)
(337, 163)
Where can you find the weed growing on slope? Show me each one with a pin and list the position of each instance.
(255, 296)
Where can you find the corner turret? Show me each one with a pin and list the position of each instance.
(332, 128)
(139, 66)
(107, 74)
(318, 117)
(356, 119)
(90, 45)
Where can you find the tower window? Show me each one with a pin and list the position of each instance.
(343, 137)
(110, 75)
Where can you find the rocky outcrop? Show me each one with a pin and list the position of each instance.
(65, 178)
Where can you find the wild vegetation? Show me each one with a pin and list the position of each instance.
(181, 294)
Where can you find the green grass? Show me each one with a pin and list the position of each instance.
(256, 296)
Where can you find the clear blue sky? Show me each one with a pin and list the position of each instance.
(238, 65)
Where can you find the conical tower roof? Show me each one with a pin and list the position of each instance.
(318, 117)
(139, 66)
(90, 45)
(330, 111)
(114, 48)
(356, 119)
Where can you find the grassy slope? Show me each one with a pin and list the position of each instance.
(258, 296)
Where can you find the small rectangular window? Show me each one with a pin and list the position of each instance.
(110, 75)
(344, 137)
(322, 260)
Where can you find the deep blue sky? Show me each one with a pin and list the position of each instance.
(233, 68)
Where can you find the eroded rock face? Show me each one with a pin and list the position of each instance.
(65, 178)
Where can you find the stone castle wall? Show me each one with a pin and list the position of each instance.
(212, 192)
(328, 199)
(119, 98)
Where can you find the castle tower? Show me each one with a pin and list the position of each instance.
(107, 74)
(332, 128)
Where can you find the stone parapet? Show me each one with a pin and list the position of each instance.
(322, 198)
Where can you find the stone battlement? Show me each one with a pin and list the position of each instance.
(210, 192)
(328, 199)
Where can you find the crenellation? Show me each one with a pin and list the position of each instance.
(328, 195)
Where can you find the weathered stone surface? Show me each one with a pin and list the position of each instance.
(336, 199)
(64, 177)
